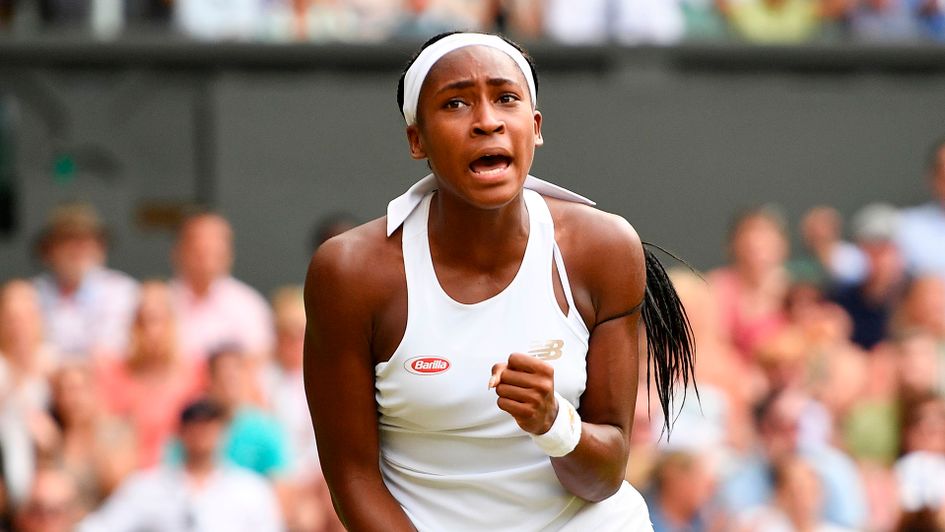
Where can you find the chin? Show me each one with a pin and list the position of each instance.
(495, 195)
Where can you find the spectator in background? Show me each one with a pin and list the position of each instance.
(720, 418)
(212, 307)
(921, 232)
(310, 507)
(749, 484)
(96, 449)
(627, 21)
(796, 505)
(870, 303)
(885, 20)
(774, 21)
(751, 290)
(25, 360)
(252, 438)
(212, 21)
(684, 484)
(282, 379)
(832, 259)
(921, 469)
(87, 307)
(52, 505)
(201, 494)
(419, 20)
(152, 373)
(25, 365)
(923, 308)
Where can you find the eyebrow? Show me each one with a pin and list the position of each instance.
(467, 83)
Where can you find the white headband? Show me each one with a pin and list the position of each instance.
(418, 71)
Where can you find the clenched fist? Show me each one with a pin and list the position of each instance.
(526, 389)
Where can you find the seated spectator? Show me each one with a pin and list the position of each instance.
(252, 438)
(25, 365)
(283, 388)
(832, 259)
(214, 21)
(721, 416)
(153, 372)
(870, 302)
(869, 429)
(796, 505)
(921, 231)
(885, 21)
(749, 484)
(628, 21)
(750, 291)
(213, 308)
(922, 467)
(25, 360)
(704, 21)
(683, 487)
(282, 379)
(52, 505)
(918, 361)
(774, 21)
(86, 307)
(97, 450)
(200, 494)
(420, 20)
(922, 308)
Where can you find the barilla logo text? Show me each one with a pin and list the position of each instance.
(426, 365)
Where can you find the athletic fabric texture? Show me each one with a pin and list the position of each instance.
(449, 455)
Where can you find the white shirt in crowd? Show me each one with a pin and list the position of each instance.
(231, 313)
(921, 238)
(93, 320)
(627, 21)
(163, 500)
(285, 393)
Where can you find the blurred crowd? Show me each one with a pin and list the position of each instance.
(178, 404)
(154, 405)
(821, 378)
(632, 22)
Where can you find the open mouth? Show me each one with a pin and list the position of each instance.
(490, 164)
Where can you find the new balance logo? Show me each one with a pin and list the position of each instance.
(550, 350)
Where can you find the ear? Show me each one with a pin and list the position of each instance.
(413, 140)
(538, 140)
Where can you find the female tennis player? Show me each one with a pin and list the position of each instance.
(471, 359)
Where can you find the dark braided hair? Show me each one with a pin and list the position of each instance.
(400, 82)
(670, 346)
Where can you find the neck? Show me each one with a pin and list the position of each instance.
(199, 468)
(481, 239)
(68, 287)
(200, 286)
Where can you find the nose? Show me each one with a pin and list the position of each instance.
(488, 121)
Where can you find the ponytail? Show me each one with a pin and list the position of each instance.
(670, 344)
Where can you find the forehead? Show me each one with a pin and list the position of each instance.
(471, 62)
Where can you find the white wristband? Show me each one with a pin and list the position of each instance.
(565, 432)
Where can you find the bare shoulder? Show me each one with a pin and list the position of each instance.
(361, 259)
(585, 230)
(603, 255)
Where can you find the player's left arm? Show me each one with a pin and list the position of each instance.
(607, 267)
(611, 269)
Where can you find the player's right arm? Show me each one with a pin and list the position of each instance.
(341, 297)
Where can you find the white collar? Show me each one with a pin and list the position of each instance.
(400, 207)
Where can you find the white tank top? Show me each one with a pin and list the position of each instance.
(449, 455)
